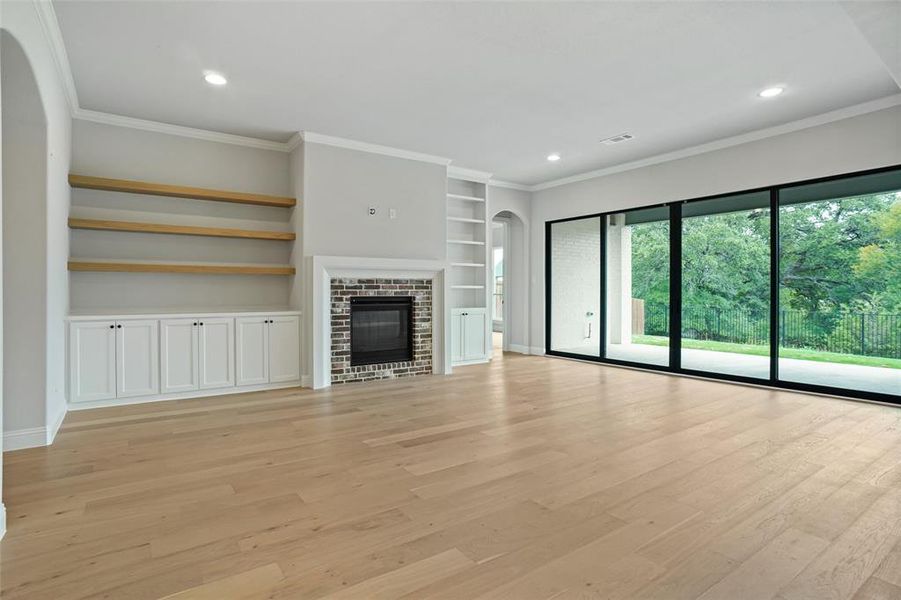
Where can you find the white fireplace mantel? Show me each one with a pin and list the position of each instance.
(323, 269)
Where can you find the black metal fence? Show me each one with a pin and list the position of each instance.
(864, 334)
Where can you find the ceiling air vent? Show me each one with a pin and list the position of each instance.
(616, 139)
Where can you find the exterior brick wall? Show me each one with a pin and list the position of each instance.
(576, 284)
(342, 290)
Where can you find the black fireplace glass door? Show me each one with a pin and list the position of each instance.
(380, 330)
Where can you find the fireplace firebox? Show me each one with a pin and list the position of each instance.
(381, 329)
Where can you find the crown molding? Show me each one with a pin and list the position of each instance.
(468, 174)
(329, 140)
(760, 134)
(294, 141)
(54, 36)
(510, 185)
(157, 127)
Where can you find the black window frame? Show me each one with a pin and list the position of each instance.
(675, 345)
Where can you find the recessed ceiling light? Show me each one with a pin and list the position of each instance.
(771, 92)
(553, 157)
(214, 78)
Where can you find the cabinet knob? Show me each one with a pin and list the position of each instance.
(201, 323)
(195, 323)
(118, 326)
(112, 326)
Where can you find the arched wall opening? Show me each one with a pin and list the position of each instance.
(24, 242)
(512, 229)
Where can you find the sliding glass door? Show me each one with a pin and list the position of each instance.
(795, 285)
(637, 286)
(726, 285)
(574, 253)
(840, 284)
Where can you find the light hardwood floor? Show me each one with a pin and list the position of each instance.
(527, 478)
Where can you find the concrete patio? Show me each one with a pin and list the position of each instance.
(854, 377)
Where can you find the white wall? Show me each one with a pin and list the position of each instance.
(126, 153)
(863, 142)
(341, 184)
(516, 262)
(20, 19)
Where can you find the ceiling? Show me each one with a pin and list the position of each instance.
(493, 86)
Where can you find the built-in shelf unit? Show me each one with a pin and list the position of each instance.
(137, 245)
(468, 262)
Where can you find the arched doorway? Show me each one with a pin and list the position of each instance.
(23, 128)
(509, 282)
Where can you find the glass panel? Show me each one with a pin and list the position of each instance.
(575, 286)
(726, 285)
(840, 284)
(638, 286)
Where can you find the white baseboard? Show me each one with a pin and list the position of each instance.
(55, 425)
(306, 381)
(518, 348)
(2, 520)
(539, 350)
(477, 361)
(183, 396)
(19, 439)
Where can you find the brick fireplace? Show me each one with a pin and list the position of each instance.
(393, 293)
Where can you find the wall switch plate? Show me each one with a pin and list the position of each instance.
(372, 211)
(392, 213)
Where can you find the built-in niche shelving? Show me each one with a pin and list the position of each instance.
(468, 270)
(140, 245)
(467, 235)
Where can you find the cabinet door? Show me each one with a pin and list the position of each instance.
(178, 355)
(137, 358)
(456, 334)
(474, 327)
(284, 349)
(92, 361)
(216, 352)
(252, 350)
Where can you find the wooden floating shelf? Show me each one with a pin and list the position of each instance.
(177, 191)
(466, 198)
(208, 269)
(469, 242)
(468, 287)
(133, 227)
(463, 264)
(465, 220)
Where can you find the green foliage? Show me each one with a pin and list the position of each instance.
(838, 259)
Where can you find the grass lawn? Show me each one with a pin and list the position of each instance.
(798, 353)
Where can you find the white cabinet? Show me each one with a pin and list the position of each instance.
(196, 354)
(216, 352)
(252, 350)
(92, 361)
(167, 357)
(284, 349)
(469, 335)
(137, 358)
(113, 359)
(178, 355)
(267, 349)
(456, 337)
